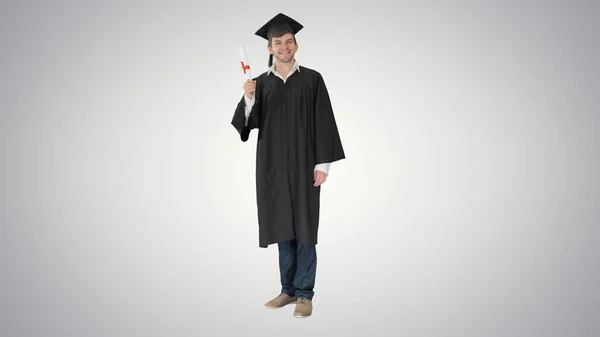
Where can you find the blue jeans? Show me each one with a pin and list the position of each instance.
(297, 266)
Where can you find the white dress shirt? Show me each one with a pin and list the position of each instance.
(323, 167)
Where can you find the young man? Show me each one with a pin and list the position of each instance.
(297, 140)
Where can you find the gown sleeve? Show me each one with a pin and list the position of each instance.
(239, 117)
(328, 145)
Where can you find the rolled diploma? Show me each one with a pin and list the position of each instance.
(245, 64)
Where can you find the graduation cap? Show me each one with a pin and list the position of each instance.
(279, 24)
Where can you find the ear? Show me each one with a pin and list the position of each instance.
(270, 49)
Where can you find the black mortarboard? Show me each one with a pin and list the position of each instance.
(281, 23)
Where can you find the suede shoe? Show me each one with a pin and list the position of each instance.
(303, 308)
(280, 301)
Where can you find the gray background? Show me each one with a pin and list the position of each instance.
(467, 205)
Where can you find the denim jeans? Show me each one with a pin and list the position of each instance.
(297, 267)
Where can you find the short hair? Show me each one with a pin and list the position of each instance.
(279, 34)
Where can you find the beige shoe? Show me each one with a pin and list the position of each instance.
(280, 301)
(303, 308)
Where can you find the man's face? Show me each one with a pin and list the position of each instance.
(283, 48)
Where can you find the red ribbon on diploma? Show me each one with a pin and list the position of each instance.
(245, 67)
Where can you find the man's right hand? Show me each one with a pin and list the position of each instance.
(249, 88)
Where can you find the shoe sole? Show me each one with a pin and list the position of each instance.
(300, 316)
(266, 306)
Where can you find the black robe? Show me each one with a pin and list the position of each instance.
(296, 130)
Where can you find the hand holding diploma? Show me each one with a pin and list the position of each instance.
(249, 88)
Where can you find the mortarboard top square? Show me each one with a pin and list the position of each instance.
(279, 23)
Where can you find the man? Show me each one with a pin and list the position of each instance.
(297, 141)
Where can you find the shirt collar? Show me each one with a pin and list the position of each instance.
(295, 67)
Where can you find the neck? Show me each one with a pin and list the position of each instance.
(284, 68)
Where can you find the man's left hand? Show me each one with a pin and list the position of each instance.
(319, 177)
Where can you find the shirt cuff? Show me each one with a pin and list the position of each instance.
(324, 167)
(249, 101)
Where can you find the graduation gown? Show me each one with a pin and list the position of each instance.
(296, 130)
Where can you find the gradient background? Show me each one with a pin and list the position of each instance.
(468, 204)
